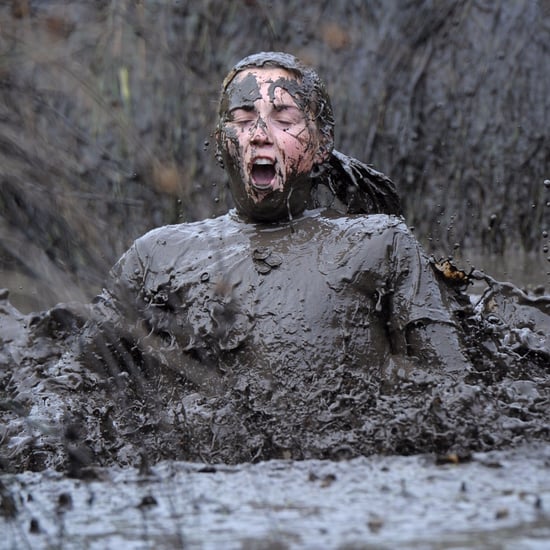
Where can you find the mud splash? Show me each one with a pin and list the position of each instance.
(131, 446)
(196, 379)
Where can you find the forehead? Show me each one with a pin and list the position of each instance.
(271, 83)
(266, 75)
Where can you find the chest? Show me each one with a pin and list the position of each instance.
(288, 296)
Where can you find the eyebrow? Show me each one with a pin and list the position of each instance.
(276, 106)
(245, 107)
(283, 106)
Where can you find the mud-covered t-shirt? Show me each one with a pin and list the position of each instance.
(323, 290)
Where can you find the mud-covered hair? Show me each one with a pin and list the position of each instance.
(312, 92)
(342, 182)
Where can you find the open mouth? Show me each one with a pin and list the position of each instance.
(263, 173)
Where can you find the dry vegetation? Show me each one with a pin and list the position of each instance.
(106, 110)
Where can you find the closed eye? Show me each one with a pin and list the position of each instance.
(283, 121)
(242, 116)
(287, 115)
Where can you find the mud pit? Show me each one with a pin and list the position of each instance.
(210, 344)
(77, 423)
(225, 366)
(210, 347)
(132, 447)
(499, 500)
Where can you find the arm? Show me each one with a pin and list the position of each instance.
(437, 344)
(424, 310)
(137, 326)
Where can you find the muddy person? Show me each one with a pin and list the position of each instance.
(305, 322)
(313, 276)
(313, 267)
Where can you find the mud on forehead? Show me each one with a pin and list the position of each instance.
(244, 91)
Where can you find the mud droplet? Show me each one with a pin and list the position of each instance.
(261, 253)
(8, 507)
(375, 524)
(547, 184)
(262, 267)
(34, 526)
(502, 513)
(64, 502)
(274, 260)
(147, 501)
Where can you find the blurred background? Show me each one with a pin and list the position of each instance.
(107, 110)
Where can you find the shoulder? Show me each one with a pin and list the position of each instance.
(382, 223)
(367, 240)
(164, 246)
(368, 225)
(183, 234)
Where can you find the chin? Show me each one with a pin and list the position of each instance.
(258, 196)
(267, 209)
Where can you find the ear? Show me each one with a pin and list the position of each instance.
(321, 156)
(217, 140)
(324, 146)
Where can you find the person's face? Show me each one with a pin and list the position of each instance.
(269, 144)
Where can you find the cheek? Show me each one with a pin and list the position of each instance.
(298, 150)
(232, 143)
(240, 144)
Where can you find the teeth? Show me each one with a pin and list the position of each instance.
(263, 162)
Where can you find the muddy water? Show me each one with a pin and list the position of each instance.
(455, 498)
(123, 449)
(495, 500)
(529, 271)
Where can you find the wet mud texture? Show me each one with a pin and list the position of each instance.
(81, 387)
(498, 500)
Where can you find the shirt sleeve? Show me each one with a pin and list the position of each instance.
(118, 303)
(416, 294)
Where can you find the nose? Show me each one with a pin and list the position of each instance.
(260, 133)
